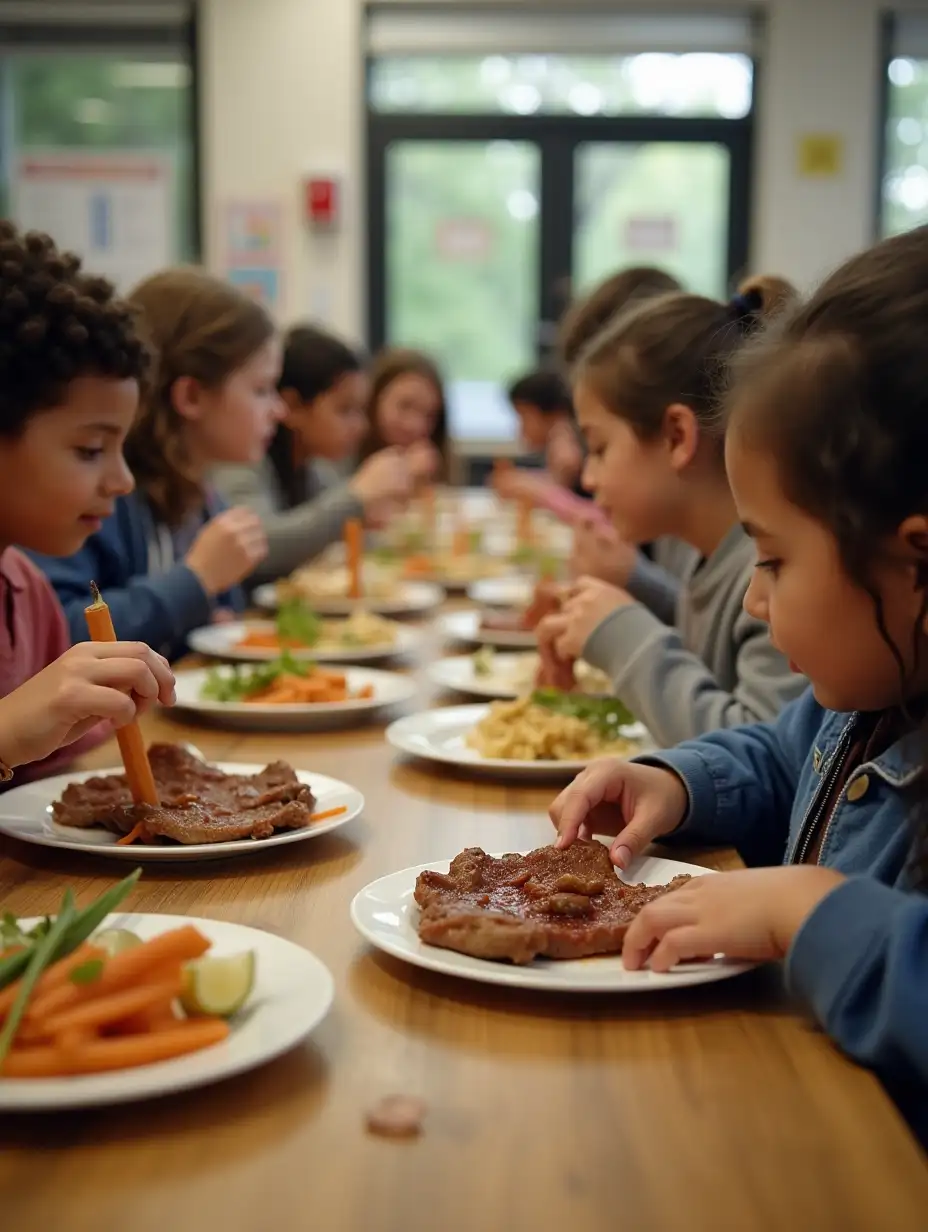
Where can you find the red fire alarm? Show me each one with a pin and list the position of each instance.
(321, 201)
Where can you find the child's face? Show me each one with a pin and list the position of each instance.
(60, 477)
(631, 479)
(332, 425)
(235, 423)
(534, 425)
(819, 619)
(407, 410)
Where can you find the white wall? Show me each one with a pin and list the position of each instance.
(282, 96)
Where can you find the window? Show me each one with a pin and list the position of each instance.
(904, 188)
(97, 141)
(529, 164)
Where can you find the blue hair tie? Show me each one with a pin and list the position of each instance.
(746, 306)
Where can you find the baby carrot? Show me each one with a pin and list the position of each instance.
(353, 545)
(134, 833)
(125, 1052)
(102, 1011)
(54, 977)
(177, 946)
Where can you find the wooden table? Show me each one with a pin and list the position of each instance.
(714, 1109)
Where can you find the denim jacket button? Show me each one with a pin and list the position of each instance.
(859, 788)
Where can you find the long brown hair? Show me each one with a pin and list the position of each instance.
(201, 327)
(676, 348)
(589, 314)
(836, 393)
(388, 365)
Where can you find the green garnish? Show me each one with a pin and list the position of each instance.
(88, 972)
(83, 925)
(239, 683)
(43, 953)
(298, 623)
(483, 661)
(606, 715)
(475, 542)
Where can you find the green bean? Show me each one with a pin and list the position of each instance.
(83, 925)
(42, 954)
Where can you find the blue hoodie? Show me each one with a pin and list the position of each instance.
(160, 608)
(860, 960)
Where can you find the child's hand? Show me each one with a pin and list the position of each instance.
(514, 483)
(384, 476)
(227, 549)
(754, 914)
(90, 682)
(589, 601)
(599, 552)
(564, 455)
(424, 461)
(612, 796)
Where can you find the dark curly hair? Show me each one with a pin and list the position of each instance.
(836, 393)
(56, 323)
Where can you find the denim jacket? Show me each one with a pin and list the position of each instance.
(860, 960)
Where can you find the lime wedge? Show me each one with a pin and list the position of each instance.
(115, 940)
(219, 986)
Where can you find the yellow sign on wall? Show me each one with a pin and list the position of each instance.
(821, 155)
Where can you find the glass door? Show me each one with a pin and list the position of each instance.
(462, 234)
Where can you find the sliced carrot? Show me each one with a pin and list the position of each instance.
(177, 946)
(136, 832)
(98, 1055)
(101, 1011)
(327, 813)
(56, 976)
(155, 1018)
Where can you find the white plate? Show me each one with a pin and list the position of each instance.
(465, 627)
(385, 914)
(389, 690)
(292, 994)
(222, 642)
(458, 672)
(502, 592)
(407, 597)
(440, 735)
(25, 813)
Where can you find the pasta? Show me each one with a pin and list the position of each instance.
(524, 731)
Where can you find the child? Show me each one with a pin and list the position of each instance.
(170, 558)
(645, 393)
(826, 448)
(649, 572)
(302, 502)
(70, 366)
(407, 411)
(542, 402)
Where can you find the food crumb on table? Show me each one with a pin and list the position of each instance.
(396, 1116)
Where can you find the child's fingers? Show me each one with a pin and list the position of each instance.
(689, 941)
(572, 808)
(126, 675)
(651, 925)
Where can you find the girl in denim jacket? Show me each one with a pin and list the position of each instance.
(827, 453)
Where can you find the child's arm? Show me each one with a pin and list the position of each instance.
(860, 960)
(159, 609)
(295, 535)
(672, 691)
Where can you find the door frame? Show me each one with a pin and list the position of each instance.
(557, 137)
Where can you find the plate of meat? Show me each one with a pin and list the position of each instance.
(207, 812)
(544, 919)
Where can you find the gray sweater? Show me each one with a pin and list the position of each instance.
(716, 668)
(294, 535)
(656, 582)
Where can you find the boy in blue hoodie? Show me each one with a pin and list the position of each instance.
(826, 446)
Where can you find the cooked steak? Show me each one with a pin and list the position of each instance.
(549, 903)
(545, 600)
(199, 804)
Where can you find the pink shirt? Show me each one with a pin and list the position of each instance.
(33, 633)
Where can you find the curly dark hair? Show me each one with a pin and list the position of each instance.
(56, 323)
(836, 393)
